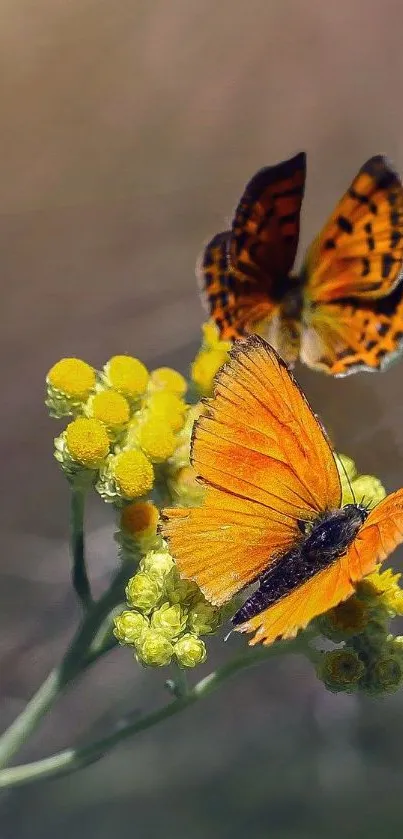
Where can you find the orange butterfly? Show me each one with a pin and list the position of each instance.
(344, 311)
(272, 506)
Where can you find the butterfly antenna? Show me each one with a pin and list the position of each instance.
(347, 478)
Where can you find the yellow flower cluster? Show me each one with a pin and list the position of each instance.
(126, 423)
(211, 356)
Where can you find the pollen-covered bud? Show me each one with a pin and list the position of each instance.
(157, 564)
(203, 618)
(169, 619)
(126, 476)
(340, 670)
(190, 650)
(127, 375)
(179, 590)
(154, 649)
(165, 378)
(84, 445)
(156, 438)
(110, 408)
(143, 592)
(138, 524)
(69, 383)
(129, 626)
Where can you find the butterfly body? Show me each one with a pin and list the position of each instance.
(327, 541)
(272, 506)
(349, 289)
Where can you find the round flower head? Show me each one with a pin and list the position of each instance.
(126, 475)
(180, 591)
(168, 407)
(366, 489)
(203, 618)
(139, 520)
(156, 438)
(384, 674)
(143, 592)
(346, 468)
(164, 378)
(129, 626)
(84, 443)
(127, 375)
(110, 408)
(204, 368)
(154, 649)
(190, 650)
(340, 670)
(381, 588)
(69, 383)
(345, 620)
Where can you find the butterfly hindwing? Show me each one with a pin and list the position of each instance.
(255, 448)
(217, 285)
(359, 252)
(346, 337)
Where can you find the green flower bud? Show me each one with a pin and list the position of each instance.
(157, 564)
(129, 627)
(203, 618)
(340, 670)
(169, 620)
(190, 650)
(143, 592)
(384, 675)
(154, 649)
(345, 620)
(178, 590)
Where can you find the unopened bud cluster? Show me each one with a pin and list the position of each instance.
(166, 615)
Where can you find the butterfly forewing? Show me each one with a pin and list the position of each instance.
(267, 465)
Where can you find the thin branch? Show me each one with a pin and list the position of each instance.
(79, 574)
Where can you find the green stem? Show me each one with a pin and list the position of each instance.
(79, 655)
(80, 579)
(72, 759)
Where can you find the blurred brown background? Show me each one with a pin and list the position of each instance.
(127, 133)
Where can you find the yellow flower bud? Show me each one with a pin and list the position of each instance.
(143, 592)
(190, 650)
(110, 408)
(69, 383)
(180, 591)
(86, 442)
(154, 649)
(129, 627)
(346, 468)
(132, 473)
(156, 438)
(203, 618)
(169, 620)
(340, 670)
(382, 589)
(164, 378)
(365, 489)
(211, 337)
(157, 564)
(127, 375)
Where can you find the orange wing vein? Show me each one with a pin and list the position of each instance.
(266, 463)
(378, 537)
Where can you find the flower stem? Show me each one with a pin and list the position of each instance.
(80, 579)
(79, 655)
(70, 760)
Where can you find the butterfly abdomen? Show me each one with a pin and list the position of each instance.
(327, 541)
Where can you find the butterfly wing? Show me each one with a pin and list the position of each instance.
(242, 269)
(359, 252)
(377, 538)
(256, 449)
(346, 337)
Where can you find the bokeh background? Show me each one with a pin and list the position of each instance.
(128, 130)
